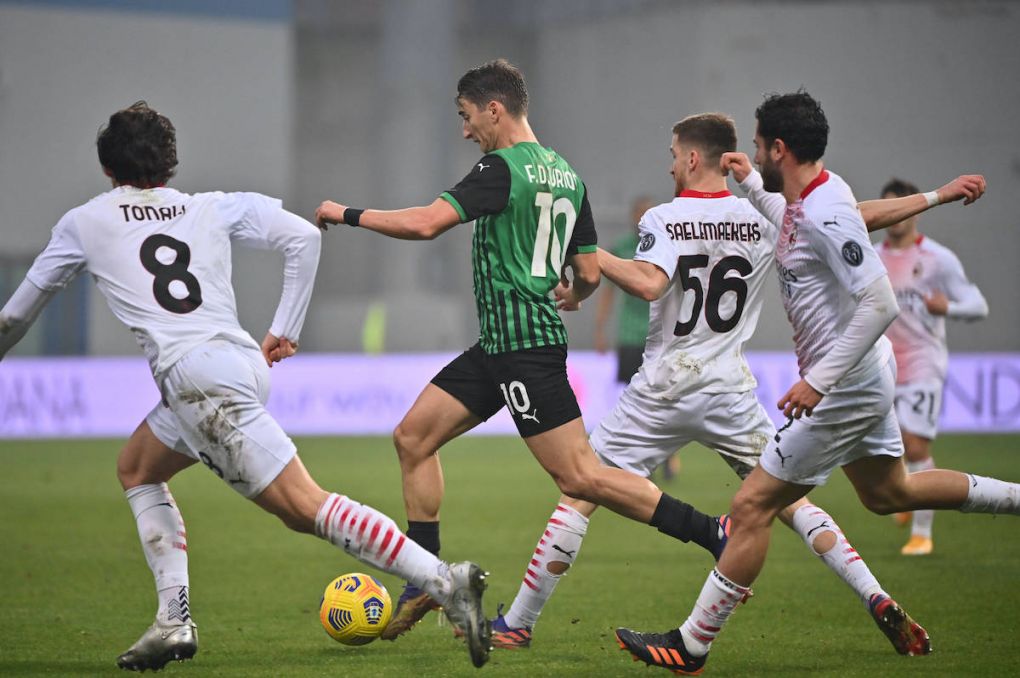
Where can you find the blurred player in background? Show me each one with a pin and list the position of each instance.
(532, 221)
(930, 286)
(631, 319)
(839, 301)
(162, 259)
(702, 261)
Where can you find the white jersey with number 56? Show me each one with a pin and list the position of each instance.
(162, 259)
(717, 251)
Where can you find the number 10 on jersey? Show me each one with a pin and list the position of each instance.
(548, 247)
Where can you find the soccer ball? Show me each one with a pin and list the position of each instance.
(355, 609)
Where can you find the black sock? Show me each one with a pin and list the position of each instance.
(425, 534)
(686, 523)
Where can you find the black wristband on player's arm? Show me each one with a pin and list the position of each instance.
(352, 217)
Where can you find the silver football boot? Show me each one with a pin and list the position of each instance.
(464, 609)
(161, 644)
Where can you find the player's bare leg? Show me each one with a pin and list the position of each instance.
(435, 419)
(568, 457)
(144, 466)
(918, 458)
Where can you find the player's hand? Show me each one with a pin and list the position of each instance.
(737, 163)
(565, 299)
(275, 349)
(937, 303)
(329, 213)
(801, 399)
(967, 187)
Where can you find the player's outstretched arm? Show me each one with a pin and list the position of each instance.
(412, 223)
(640, 279)
(20, 312)
(570, 293)
(772, 205)
(880, 214)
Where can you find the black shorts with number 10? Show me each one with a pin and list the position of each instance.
(531, 383)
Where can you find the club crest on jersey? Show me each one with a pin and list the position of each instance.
(852, 253)
(918, 270)
(647, 242)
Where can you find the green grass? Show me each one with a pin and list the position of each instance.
(76, 590)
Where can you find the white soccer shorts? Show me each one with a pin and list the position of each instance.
(918, 405)
(216, 413)
(642, 432)
(850, 423)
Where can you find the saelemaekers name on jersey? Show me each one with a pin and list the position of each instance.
(743, 231)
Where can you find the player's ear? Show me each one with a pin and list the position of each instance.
(495, 109)
(779, 149)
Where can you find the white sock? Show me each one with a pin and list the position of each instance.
(716, 602)
(988, 495)
(923, 519)
(560, 542)
(373, 538)
(164, 542)
(811, 522)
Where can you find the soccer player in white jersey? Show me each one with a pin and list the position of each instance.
(839, 300)
(930, 286)
(162, 260)
(702, 260)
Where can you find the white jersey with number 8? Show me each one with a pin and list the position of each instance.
(162, 259)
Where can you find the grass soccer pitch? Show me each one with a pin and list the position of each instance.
(76, 591)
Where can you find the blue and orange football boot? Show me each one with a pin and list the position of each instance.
(906, 635)
(506, 637)
(665, 650)
(722, 536)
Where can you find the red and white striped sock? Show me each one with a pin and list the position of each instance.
(373, 538)
(811, 522)
(560, 544)
(165, 544)
(716, 602)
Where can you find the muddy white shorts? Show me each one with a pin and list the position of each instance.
(918, 405)
(215, 413)
(642, 432)
(850, 423)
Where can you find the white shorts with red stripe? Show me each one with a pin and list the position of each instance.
(215, 413)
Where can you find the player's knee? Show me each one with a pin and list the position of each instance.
(409, 443)
(578, 484)
(882, 500)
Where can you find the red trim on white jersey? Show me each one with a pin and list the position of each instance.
(822, 177)
(688, 193)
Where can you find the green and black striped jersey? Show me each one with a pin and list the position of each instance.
(531, 212)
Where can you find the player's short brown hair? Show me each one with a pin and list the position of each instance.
(138, 146)
(497, 80)
(899, 188)
(713, 133)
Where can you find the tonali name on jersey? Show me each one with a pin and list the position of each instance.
(167, 279)
(716, 249)
(918, 337)
(824, 258)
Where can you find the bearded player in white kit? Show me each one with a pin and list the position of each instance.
(162, 259)
(839, 300)
(930, 286)
(702, 261)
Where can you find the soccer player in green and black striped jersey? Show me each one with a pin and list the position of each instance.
(532, 222)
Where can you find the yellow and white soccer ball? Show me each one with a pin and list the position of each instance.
(355, 608)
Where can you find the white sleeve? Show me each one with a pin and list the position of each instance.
(965, 299)
(876, 309)
(772, 205)
(20, 312)
(266, 225)
(62, 259)
(654, 245)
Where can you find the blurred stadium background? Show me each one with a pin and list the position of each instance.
(312, 99)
